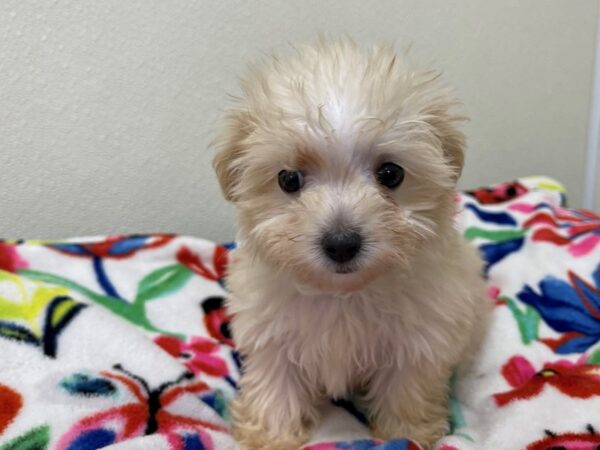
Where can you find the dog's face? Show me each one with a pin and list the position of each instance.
(340, 163)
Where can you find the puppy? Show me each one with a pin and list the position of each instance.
(350, 279)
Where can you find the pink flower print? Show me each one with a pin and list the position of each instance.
(199, 354)
(10, 261)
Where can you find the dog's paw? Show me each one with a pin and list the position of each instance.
(252, 434)
(251, 437)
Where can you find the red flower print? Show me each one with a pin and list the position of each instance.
(556, 343)
(216, 320)
(197, 354)
(579, 230)
(10, 405)
(499, 193)
(10, 261)
(493, 293)
(117, 247)
(578, 380)
(193, 262)
(568, 441)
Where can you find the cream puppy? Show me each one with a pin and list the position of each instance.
(350, 279)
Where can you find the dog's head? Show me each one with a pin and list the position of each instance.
(341, 162)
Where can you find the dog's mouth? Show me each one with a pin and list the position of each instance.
(341, 278)
(342, 270)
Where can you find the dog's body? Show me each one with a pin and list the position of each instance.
(350, 279)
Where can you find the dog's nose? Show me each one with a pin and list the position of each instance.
(341, 246)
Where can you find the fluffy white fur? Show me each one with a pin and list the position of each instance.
(390, 332)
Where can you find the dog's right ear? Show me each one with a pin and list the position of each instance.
(231, 145)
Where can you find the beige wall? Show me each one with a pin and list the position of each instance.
(106, 108)
(597, 194)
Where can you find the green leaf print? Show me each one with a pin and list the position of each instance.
(528, 320)
(162, 282)
(34, 439)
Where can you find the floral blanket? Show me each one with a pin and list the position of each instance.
(123, 342)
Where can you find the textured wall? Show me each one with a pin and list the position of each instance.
(107, 107)
(597, 195)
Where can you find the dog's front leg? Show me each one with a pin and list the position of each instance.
(410, 403)
(274, 409)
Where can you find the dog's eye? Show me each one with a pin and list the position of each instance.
(290, 180)
(390, 175)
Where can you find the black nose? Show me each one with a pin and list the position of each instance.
(341, 246)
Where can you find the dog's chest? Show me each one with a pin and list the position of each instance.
(339, 343)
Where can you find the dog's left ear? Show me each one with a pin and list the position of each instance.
(231, 146)
(446, 127)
